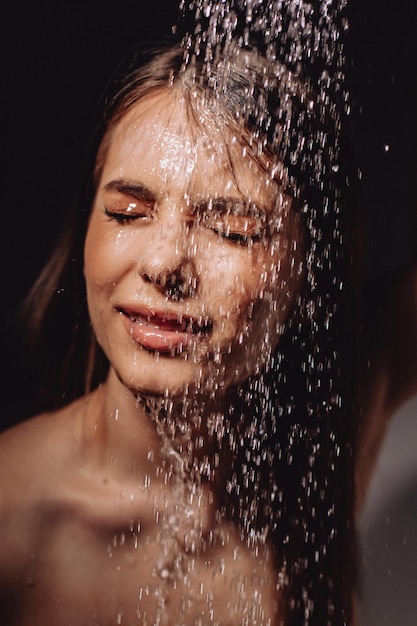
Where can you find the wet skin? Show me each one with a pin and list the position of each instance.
(180, 264)
(87, 521)
(181, 267)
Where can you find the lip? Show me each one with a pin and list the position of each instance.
(160, 330)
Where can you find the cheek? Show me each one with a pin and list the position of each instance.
(262, 295)
(233, 280)
(104, 256)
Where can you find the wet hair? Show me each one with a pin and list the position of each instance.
(292, 473)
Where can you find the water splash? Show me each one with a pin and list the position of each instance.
(303, 45)
(285, 433)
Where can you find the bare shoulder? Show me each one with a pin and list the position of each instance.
(33, 456)
(35, 445)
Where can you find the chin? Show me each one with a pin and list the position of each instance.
(157, 375)
(160, 380)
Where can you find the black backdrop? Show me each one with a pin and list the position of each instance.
(58, 54)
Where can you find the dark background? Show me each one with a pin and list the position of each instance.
(57, 56)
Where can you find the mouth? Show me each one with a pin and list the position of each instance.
(161, 331)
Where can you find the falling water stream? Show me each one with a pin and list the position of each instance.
(283, 433)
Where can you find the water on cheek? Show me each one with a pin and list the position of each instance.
(120, 242)
(103, 255)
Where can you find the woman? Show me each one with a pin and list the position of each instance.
(202, 473)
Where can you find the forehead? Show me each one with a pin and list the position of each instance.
(178, 144)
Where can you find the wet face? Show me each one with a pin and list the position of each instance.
(187, 259)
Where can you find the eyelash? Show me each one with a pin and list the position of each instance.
(231, 236)
(235, 237)
(121, 217)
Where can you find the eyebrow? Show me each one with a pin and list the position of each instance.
(135, 189)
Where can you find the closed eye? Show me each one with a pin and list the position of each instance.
(233, 220)
(120, 217)
(127, 201)
(236, 233)
(129, 214)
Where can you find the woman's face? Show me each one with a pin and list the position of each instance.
(187, 255)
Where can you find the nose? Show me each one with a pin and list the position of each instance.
(168, 260)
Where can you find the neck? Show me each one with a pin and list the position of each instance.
(185, 436)
(191, 450)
